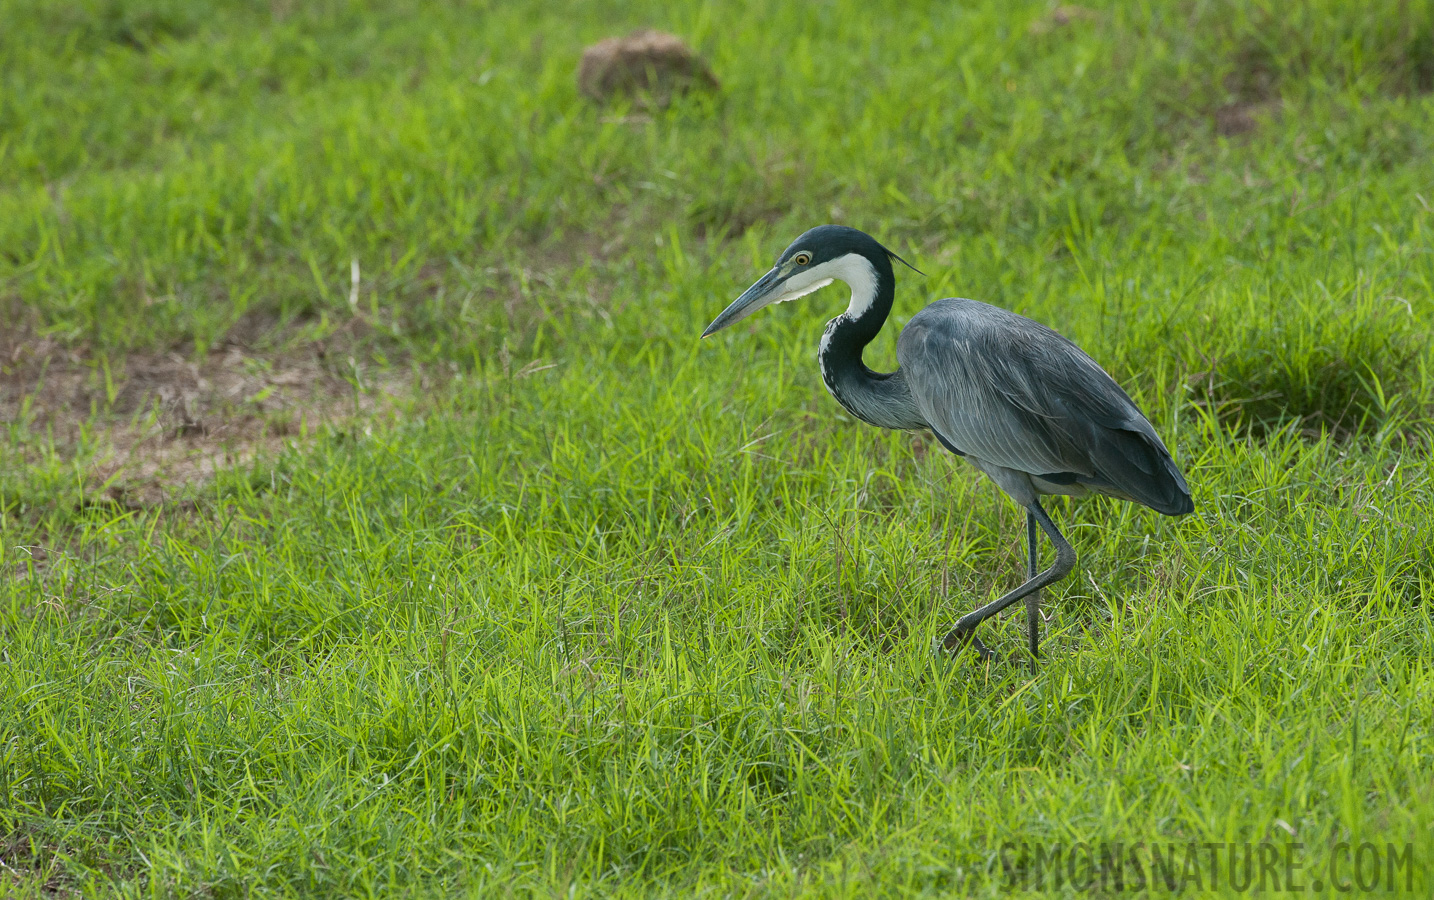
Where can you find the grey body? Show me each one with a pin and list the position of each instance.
(1022, 403)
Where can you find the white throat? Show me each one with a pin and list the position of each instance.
(860, 275)
(854, 269)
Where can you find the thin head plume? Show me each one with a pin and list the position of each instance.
(904, 262)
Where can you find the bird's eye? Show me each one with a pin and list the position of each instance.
(802, 258)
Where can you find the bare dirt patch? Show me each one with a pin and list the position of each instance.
(651, 65)
(1252, 91)
(1239, 118)
(152, 425)
(1061, 16)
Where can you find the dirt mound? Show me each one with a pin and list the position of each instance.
(648, 65)
(1062, 16)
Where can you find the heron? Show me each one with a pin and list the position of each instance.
(1022, 403)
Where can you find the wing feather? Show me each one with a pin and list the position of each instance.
(1012, 392)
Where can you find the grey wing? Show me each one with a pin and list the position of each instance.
(1011, 392)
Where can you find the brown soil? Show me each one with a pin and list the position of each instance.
(1235, 119)
(1061, 16)
(158, 423)
(647, 65)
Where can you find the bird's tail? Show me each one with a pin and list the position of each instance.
(1137, 467)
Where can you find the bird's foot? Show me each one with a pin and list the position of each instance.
(958, 639)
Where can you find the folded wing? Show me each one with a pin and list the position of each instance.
(1010, 391)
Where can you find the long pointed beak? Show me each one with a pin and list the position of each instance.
(766, 290)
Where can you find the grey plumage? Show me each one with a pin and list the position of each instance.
(1012, 393)
(1024, 404)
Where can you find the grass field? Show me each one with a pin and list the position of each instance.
(373, 523)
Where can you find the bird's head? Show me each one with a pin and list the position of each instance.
(825, 254)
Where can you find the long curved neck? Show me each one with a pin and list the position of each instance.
(881, 399)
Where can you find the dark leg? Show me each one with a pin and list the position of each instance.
(1033, 599)
(963, 634)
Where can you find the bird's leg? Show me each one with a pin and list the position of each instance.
(963, 634)
(1033, 599)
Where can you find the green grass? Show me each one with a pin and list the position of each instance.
(657, 619)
